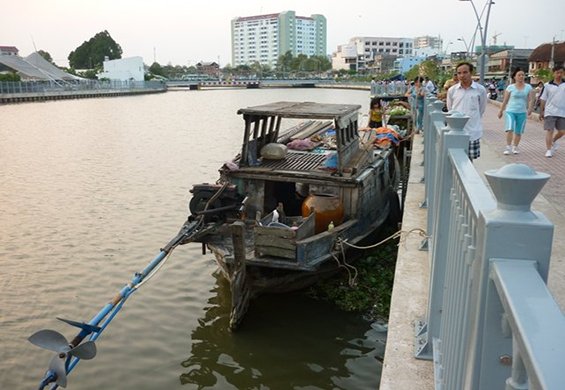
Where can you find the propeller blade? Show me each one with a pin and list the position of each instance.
(86, 350)
(89, 328)
(57, 365)
(50, 339)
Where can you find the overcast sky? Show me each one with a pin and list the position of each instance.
(183, 32)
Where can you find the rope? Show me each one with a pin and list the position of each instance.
(340, 243)
(401, 233)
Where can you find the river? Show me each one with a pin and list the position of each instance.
(89, 191)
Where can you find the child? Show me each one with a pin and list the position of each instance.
(375, 114)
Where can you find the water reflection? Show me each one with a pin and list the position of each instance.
(286, 342)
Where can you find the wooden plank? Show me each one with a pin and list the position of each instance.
(315, 128)
(274, 232)
(274, 242)
(279, 252)
(302, 110)
(307, 228)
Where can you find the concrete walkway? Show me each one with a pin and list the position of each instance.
(410, 294)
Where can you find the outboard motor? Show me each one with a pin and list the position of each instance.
(227, 204)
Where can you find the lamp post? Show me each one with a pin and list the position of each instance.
(446, 47)
(466, 46)
(483, 34)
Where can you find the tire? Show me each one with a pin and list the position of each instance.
(199, 200)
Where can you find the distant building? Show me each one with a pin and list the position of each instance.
(369, 48)
(208, 68)
(124, 69)
(263, 38)
(546, 56)
(345, 58)
(382, 64)
(404, 64)
(33, 67)
(434, 43)
(502, 63)
(8, 51)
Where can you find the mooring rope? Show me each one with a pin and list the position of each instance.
(340, 243)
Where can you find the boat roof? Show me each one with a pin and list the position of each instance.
(301, 110)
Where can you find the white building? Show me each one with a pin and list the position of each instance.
(125, 69)
(345, 58)
(428, 41)
(264, 38)
(369, 48)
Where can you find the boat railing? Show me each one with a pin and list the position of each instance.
(491, 321)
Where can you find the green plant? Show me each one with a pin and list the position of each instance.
(544, 75)
(10, 77)
(372, 290)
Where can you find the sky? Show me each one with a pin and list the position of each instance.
(184, 32)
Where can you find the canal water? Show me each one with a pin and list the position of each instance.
(89, 191)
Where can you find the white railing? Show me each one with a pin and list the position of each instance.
(491, 321)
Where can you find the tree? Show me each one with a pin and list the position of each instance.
(427, 68)
(288, 63)
(285, 62)
(91, 53)
(45, 56)
(156, 69)
(544, 75)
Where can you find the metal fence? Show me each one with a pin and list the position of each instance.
(491, 321)
(35, 87)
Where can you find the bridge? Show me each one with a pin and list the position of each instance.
(249, 83)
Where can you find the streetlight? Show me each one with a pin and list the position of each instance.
(466, 46)
(444, 51)
(483, 33)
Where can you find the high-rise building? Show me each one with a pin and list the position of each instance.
(264, 38)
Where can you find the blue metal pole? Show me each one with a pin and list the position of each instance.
(111, 309)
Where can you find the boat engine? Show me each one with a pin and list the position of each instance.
(227, 205)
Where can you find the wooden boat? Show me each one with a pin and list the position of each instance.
(265, 220)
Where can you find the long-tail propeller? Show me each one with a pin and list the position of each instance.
(56, 342)
(62, 364)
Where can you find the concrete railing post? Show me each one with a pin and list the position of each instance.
(510, 231)
(443, 181)
(436, 116)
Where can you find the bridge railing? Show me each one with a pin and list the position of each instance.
(491, 321)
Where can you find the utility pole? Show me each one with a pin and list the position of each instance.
(552, 58)
(510, 66)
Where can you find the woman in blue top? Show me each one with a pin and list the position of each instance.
(416, 95)
(517, 105)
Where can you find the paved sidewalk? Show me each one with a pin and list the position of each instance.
(549, 202)
(532, 150)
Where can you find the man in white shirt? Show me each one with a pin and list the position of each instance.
(469, 98)
(552, 110)
(429, 85)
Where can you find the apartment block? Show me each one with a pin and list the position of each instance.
(264, 38)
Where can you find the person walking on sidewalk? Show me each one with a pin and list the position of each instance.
(469, 98)
(517, 106)
(552, 110)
